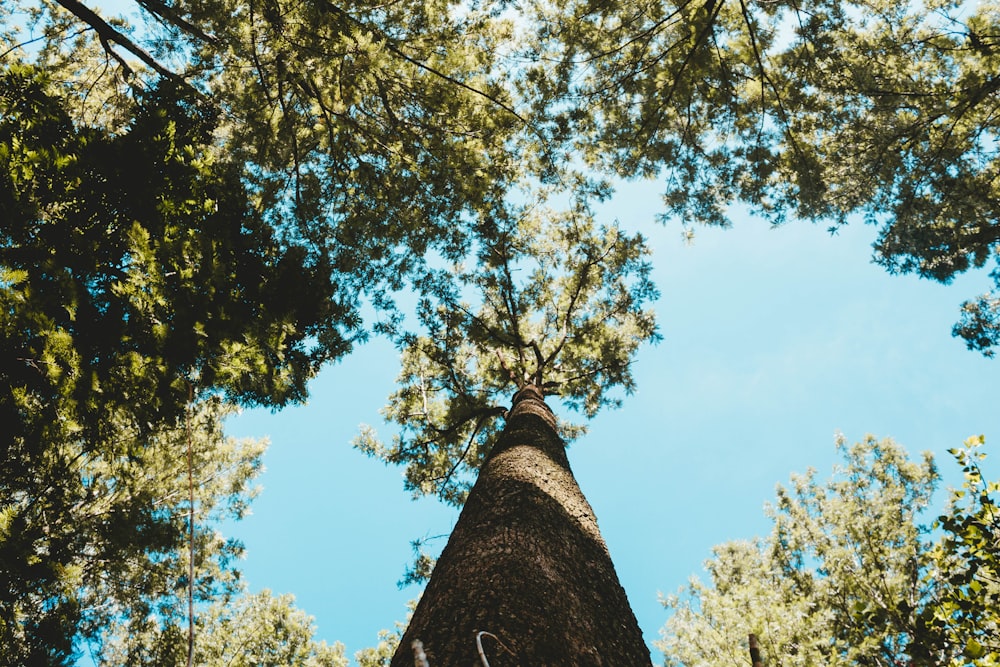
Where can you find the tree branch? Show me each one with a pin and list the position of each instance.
(487, 413)
(166, 13)
(108, 33)
(581, 284)
(424, 66)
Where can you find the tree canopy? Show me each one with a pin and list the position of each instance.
(371, 134)
(880, 109)
(556, 301)
(349, 116)
(854, 572)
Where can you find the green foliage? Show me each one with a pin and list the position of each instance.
(560, 305)
(967, 611)
(379, 133)
(879, 108)
(913, 142)
(246, 631)
(169, 240)
(381, 654)
(371, 132)
(746, 593)
(657, 84)
(215, 232)
(89, 539)
(135, 277)
(851, 576)
(133, 265)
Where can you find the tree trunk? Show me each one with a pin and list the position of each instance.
(755, 652)
(525, 575)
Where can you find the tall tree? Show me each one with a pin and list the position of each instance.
(525, 578)
(561, 313)
(852, 575)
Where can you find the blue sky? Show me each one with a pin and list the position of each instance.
(774, 340)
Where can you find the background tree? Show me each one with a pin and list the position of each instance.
(246, 630)
(381, 654)
(914, 92)
(850, 575)
(97, 540)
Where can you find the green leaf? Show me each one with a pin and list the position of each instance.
(973, 649)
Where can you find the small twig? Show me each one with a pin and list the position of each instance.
(107, 33)
(479, 646)
(423, 395)
(190, 474)
(162, 11)
(419, 657)
(391, 46)
(21, 45)
(34, 363)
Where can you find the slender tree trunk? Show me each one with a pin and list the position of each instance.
(755, 652)
(526, 576)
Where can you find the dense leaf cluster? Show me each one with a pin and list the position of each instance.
(967, 610)
(134, 265)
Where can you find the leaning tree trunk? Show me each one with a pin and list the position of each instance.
(526, 575)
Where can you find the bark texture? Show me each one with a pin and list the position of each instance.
(526, 565)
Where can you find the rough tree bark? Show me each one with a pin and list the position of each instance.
(526, 571)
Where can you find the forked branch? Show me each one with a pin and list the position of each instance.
(107, 33)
